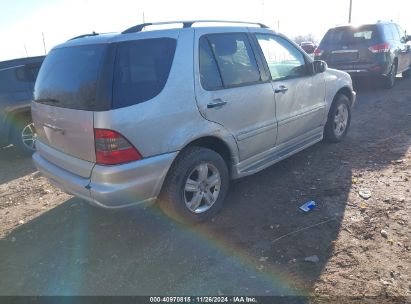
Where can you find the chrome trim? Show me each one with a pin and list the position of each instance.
(344, 51)
(354, 71)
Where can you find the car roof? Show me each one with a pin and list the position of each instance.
(20, 61)
(105, 38)
(364, 24)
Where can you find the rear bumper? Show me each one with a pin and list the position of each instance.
(112, 186)
(365, 70)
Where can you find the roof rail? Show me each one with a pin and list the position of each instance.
(186, 24)
(385, 21)
(85, 35)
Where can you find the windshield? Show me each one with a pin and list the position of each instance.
(68, 77)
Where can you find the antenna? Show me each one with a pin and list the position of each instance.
(44, 44)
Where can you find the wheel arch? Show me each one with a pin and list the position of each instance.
(13, 118)
(346, 91)
(216, 144)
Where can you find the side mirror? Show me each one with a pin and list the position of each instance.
(319, 66)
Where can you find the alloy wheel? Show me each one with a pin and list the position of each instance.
(341, 120)
(29, 136)
(202, 188)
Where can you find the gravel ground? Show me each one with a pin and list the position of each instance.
(54, 244)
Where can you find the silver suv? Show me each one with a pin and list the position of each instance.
(172, 115)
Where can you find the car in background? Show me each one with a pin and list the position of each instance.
(379, 50)
(308, 47)
(17, 78)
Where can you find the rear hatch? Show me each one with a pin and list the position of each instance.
(65, 98)
(348, 47)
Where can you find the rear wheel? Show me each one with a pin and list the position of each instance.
(339, 119)
(196, 186)
(388, 81)
(24, 135)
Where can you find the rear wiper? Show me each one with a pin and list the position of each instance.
(47, 100)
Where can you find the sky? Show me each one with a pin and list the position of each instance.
(23, 22)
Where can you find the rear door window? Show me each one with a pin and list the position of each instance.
(142, 69)
(209, 73)
(235, 59)
(68, 77)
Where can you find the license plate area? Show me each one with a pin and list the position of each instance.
(344, 55)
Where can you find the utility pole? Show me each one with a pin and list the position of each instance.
(262, 11)
(349, 16)
(44, 44)
(144, 19)
(27, 54)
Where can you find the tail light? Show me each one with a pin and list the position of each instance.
(318, 52)
(112, 148)
(380, 48)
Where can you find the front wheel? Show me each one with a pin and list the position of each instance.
(339, 119)
(388, 81)
(196, 186)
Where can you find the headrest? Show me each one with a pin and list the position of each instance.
(225, 47)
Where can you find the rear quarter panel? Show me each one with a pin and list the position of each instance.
(171, 120)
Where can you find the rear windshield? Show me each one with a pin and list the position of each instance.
(351, 35)
(68, 77)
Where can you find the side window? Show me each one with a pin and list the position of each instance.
(283, 59)
(395, 32)
(400, 32)
(142, 69)
(388, 32)
(27, 73)
(209, 73)
(235, 59)
(6, 80)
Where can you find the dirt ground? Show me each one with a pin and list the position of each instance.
(54, 244)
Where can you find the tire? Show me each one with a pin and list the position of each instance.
(388, 82)
(23, 135)
(407, 73)
(339, 120)
(190, 206)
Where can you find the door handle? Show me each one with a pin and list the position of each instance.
(281, 89)
(54, 128)
(216, 103)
